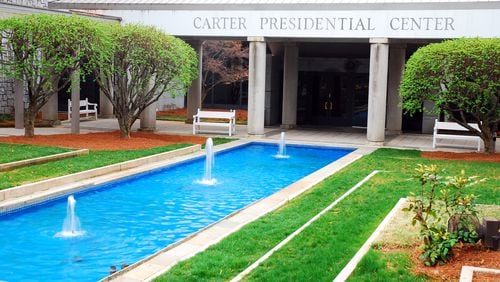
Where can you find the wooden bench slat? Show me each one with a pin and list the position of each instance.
(215, 115)
(439, 126)
(455, 126)
(229, 116)
(85, 104)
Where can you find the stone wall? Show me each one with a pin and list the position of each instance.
(6, 85)
(29, 3)
(6, 96)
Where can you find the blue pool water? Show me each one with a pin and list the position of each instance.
(129, 219)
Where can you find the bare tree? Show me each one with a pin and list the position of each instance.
(224, 62)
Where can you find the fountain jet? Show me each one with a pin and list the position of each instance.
(209, 164)
(71, 225)
(281, 148)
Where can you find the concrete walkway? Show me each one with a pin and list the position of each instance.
(332, 136)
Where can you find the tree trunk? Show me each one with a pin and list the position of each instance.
(125, 127)
(29, 122)
(489, 145)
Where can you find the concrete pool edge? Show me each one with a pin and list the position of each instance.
(23, 195)
(154, 265)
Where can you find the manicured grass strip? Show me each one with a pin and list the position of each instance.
(322, 251)
(352, 264)
(94, 159)
(378, 266)
(220, 140)
(171, 117)
(302, 228)
(16, 152)
(226, 259)
(325, 247)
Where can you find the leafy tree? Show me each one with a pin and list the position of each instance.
(224, 62)
(46, 48)
(144, 63)
(462, 78)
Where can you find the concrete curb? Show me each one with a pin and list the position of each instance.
(467, 273)
(41, 160)
(351, 265)
(290, 237)
(31, 188)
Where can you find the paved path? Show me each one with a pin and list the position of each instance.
(335, 136)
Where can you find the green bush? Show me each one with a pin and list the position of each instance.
(462, 78)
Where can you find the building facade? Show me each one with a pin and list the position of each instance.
(319, 63)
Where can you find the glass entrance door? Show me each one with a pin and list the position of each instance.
(333, 105)
(332, 99)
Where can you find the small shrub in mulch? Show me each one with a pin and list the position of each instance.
(470, 255)
(444, 211)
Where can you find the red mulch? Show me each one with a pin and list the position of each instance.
(480, 157)
(485, 277)
(471, 255)
(105, 140)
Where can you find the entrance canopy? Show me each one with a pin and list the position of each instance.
(331, 62)
(305, 19)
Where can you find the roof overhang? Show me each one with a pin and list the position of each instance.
(207, 5)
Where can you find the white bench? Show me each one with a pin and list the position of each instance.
(229, 120)
(86, 108)
(450, 127)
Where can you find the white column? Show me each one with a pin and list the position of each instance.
(148, 118)
(256, 85)
(397, 56)
(50, 110)
(428, 117)
(75, 102)
(19, 103)
(105, 105)
(377, 90)
(194, 93)
(269, 62)
(290, 80)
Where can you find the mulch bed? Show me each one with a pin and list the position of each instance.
(105, 140)
(470, 255)
(480, 157)
(485, 277)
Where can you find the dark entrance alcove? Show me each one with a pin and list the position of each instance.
(88, 89)
(332, 99)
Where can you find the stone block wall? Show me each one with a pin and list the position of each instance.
(6, 86)
(29, 3)
(6, 96)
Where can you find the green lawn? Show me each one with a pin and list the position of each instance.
(171, 117)
(94, 159)
(379, 266)
(220, 140)
(67, 166)
(320, 252)
(16, 152)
